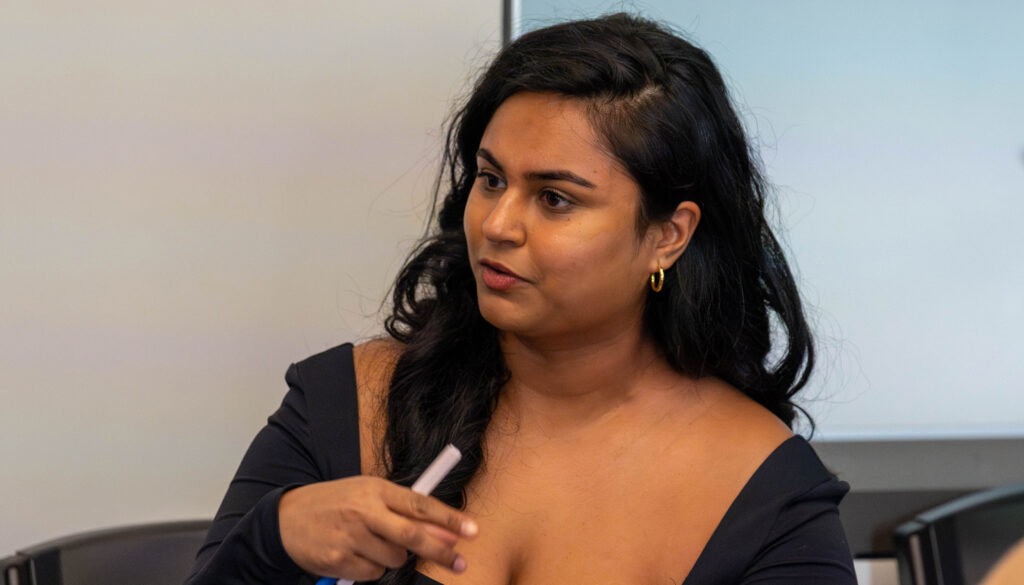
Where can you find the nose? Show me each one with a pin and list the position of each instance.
(504, 223)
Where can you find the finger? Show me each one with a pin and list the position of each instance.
(414, 535)
(406, 502)
(356, 568)
(378, 550)
(443, 534)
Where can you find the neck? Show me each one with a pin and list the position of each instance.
(562, 386)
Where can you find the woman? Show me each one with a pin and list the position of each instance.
(605, 325)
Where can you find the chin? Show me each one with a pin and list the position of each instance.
(503, 314)
(496, 316)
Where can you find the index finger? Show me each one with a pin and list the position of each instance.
(406, 502)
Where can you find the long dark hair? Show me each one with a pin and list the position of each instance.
(729, 307)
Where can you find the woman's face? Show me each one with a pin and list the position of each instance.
(551, 226)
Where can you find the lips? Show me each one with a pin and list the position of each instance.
(497, 276)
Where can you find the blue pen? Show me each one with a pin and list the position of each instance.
(435, 472)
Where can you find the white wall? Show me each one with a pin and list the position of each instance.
(192, 196)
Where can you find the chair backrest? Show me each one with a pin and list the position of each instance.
(148, 554)
(958, 542)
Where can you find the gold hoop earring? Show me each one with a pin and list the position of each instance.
(657, 284)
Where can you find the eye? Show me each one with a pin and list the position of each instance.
(491, 181)
(553, 200)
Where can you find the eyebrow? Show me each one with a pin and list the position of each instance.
(553, 175)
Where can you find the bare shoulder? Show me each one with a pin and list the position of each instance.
(374, 362)
(737, 424)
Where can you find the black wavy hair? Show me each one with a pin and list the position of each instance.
(729, 307)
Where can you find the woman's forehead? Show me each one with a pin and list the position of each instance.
(538, 130)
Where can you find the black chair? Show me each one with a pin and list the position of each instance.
(958, 542)
(149, 554)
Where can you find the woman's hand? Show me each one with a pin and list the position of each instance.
(358, 527)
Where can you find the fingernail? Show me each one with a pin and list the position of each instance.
(460, 564)
(469, 528)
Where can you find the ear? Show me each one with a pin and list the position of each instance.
(670, 237)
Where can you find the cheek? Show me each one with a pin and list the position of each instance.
(472, 219)
(589, 259)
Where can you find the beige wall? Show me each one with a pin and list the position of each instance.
(193, 195)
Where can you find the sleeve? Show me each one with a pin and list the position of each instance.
(244, 542)
(806, 543)
(782, 529)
